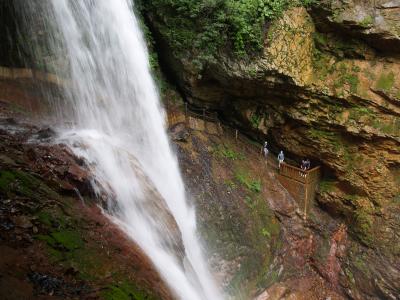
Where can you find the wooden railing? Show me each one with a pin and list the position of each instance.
(306, 177)
(301, 184)
(201, 113)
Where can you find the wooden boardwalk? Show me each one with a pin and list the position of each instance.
(196, 119)
(300, 184)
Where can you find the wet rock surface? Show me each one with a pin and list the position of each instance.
(256, 237)
(55, 244)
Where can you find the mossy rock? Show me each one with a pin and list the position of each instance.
(125, 291)
(45, 218)
(385, 82)
(24, 184)
(69, 239)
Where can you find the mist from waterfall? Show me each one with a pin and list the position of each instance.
(118, 126)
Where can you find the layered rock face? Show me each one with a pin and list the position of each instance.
(326, 86)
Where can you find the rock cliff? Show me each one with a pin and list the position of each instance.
(326, 85)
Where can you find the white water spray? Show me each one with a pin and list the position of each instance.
(120, 131)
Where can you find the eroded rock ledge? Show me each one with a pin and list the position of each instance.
(326, 86)
(54, 239)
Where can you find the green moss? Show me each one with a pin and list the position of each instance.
(367, 22)
(44, 218)
(350, 276)
(265, 232)
(22, 183)
(363, 225)
(387, 127)
(320, 39)
(396, 199)
(360, 264)
(251, 185)
(385, 82)
(357, 112)
(353, 81)
(322, 134)
(91, 263)
(326, 186)
(55, 255)
(230, 185)
(48, 239)
(249, 201)
(68, 239)
(322, 250)
(125, 291)
(225, 152)
(270, 277)
(255, 120)
(369, 74)
(6, 178)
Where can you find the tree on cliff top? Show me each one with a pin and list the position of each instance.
(205, 27)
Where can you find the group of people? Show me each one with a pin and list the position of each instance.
(281, 156)
(305, 163)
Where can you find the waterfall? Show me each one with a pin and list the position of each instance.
(118, 126)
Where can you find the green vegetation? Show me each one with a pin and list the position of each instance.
(387, 127)
(250, 184)
(322, 134)
(351, 79)
(385, 82)
(124, 291)
(326, 186)
(225, 152)
(255, 119)
(358, 112)
(205, 27)
(363, 226)
(265, 232)
(45, 218)
(249, 201)
(231, 185)
(356, 69)
(24, 184)
(367, 22)
(68, 239)
(339, 145)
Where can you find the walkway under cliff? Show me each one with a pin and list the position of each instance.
(254, 228)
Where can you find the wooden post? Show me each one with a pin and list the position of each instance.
(236, 135)
(305, 201)
(204, 120)
(186, 115)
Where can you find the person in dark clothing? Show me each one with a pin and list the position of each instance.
(307, 164)
(303, 164)
(303, 168)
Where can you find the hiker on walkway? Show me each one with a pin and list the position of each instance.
(265, 150)
(281, 158)
(303, 167)
(307, 164)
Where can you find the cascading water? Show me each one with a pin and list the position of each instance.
(119, 128)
